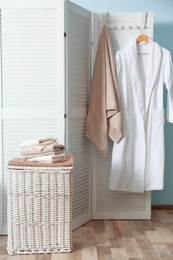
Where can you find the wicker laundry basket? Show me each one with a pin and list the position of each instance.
(39, 207)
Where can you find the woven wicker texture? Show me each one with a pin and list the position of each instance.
(39, 209)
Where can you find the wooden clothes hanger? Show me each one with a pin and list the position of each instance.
(140, 38)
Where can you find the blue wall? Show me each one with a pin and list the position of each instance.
(163, 34)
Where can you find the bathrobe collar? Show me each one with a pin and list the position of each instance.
(153, 67)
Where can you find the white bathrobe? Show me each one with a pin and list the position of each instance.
(138, 159)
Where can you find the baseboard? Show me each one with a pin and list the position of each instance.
(161, 207)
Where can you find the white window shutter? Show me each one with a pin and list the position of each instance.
(107, 204)
(32, 84)
(77, 93)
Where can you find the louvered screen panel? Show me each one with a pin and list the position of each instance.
(32, 93)
(29, 50)
(106, 203)
(80, 147)
(78, 79)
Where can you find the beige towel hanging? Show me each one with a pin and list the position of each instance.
(104, 114)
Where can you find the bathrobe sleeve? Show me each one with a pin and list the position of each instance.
(168, 80)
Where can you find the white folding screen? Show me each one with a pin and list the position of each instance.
(78, 62)
(106, 203)
(39, 86)
(32, 80)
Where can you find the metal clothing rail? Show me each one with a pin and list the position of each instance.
(141, 26)
(126, 27)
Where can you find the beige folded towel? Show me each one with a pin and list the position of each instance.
(42, 141)
(104, 114)
(38, 150)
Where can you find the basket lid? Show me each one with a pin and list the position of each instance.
(22, 162)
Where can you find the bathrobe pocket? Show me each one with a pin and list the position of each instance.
(158, 122)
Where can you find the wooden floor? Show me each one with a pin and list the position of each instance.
(115, 239)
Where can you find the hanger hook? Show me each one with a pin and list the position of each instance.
(140, 29)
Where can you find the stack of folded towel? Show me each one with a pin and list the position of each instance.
(47, 150)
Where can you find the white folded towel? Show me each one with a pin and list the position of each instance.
(29, 156)
(48, 158)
